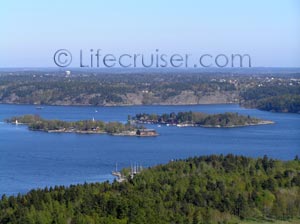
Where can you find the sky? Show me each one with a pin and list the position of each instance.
(33, 30)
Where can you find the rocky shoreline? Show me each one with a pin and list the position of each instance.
(124, 133)
(264, 122)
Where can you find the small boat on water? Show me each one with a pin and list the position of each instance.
(39, 108)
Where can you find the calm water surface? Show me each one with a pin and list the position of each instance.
(36, 159)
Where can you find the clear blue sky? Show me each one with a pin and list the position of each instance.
(268, 30)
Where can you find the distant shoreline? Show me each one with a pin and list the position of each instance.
(269, 92)
(119, 105)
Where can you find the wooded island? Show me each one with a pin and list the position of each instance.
(185, 119)
(36, 123)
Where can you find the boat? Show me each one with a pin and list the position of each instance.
(116, 172)
(39, 108)
(120, 178)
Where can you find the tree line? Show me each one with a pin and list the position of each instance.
(273, 98)
(208, 189)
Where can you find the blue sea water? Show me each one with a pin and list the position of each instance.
(36, 159)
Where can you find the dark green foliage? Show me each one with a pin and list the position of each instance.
(273, 98)
(286, 103)
(208, 189)
(198, 119)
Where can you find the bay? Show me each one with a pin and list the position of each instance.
(36, 159)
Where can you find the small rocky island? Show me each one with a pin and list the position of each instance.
(197, 119)
(36, 123)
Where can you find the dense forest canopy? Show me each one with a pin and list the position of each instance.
(273, 98)
(207, 189)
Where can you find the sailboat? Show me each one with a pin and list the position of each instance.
(120, 177)
(116, 172)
